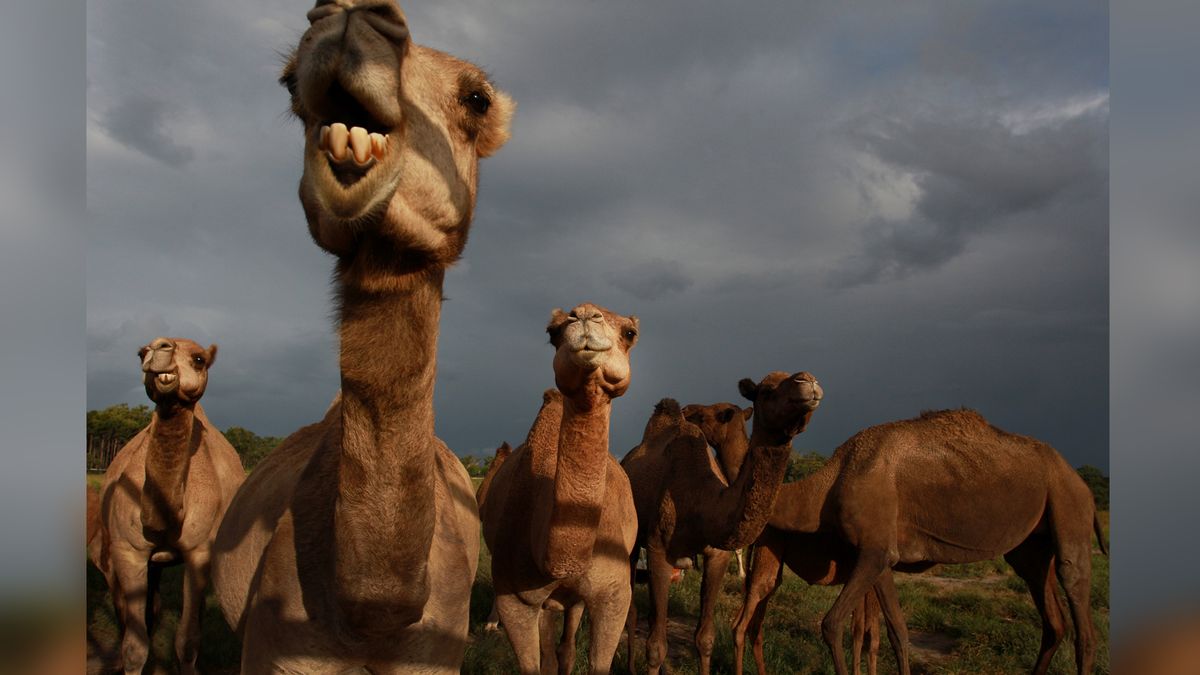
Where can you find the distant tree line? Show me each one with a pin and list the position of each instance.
(108, 431)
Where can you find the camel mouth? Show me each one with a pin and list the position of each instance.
(351, 151)
(166, 382)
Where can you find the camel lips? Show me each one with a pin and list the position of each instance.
(341, 143)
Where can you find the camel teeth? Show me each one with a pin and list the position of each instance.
(360, 144)
(339, 136)
(378, 145)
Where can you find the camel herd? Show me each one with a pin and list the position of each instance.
(353, 546)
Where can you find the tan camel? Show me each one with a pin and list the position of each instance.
(947, 487)
(354, 544)
(558, 515)
(820, 559)
(162, 499)
(685, 506)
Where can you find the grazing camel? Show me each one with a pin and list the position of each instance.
(354, 544)
(558, 515)
(162, 499)
(685, 506)
(820, 559)
(947, 487)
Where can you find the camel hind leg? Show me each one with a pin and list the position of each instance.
(885, 598)
(522, 626)
(631, 615)
(870, 565)
(1074, 570)
(1033, 561)
(566, 645)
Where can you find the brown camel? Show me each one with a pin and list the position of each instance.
(162, 499)
(686, 507)
(820, 559)
(558, 515)
(947, 487)
(355, 543)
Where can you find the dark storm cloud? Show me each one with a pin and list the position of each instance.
(707, 167)
(143, 123)
(972, 176)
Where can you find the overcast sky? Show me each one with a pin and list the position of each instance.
(909, 200)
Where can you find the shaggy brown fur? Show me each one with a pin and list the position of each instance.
(162, 499)
(947, 487)
(558, 515)
(685, 506)
(354, 544)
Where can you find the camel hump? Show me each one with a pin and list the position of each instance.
(668, 406)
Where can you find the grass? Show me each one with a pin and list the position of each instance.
(975, 618)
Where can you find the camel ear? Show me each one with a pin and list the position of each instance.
(748, 388)
(496, 128)
(747, 413)
(211, 355)
(557, 319)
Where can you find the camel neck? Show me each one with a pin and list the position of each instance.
(168, 457)
(383, 518)
(580, 480)
(799, 505)
(740, 511)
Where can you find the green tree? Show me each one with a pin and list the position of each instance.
(250, 446)
(118, 422)
(802, 465)
(1097, 482)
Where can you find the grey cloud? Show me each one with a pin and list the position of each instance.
(652, 279)
(144, 123)
(972, 177)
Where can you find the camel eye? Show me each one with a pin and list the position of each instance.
(630, 334)
(198, 360)
(477, 102)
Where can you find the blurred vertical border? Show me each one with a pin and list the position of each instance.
(42, 349)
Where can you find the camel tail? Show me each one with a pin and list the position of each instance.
(1099, 533)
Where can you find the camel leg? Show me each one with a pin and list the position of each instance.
(858, 627)
(566, 645)
(716, 562)
(871, 612)
(1033, 561)
(132, 573)
(631, 616)
(521, 625)
(549, 658)
(605, 613)
(871, 564)
(766, 572)
(493, 620)
(660, 583)
(187, 634)
(1074, 567)
(741, 563)
(886, 598)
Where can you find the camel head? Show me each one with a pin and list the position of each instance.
(592, 352)
(393, 133)
(724, 427)
(783, 404)
(175, 370)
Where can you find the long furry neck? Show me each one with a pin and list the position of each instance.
(168, 457)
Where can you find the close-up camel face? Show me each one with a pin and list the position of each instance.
(175, 368)
(721, 423)
(784, 402)
(393, 131)
(592, 346)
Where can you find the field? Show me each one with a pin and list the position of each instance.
(975, 618)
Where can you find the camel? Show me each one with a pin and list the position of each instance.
(820, 560)
(354, 544)
(492, 623)
(161, 501)
(558, 515)
(948, 487)
(685, 506)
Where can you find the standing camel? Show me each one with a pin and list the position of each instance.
(162, 499)
(354, 544)
(558, 514)
(947, 487)
(686, 507)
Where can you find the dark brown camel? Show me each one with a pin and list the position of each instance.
(947, 487)
(685, 506)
